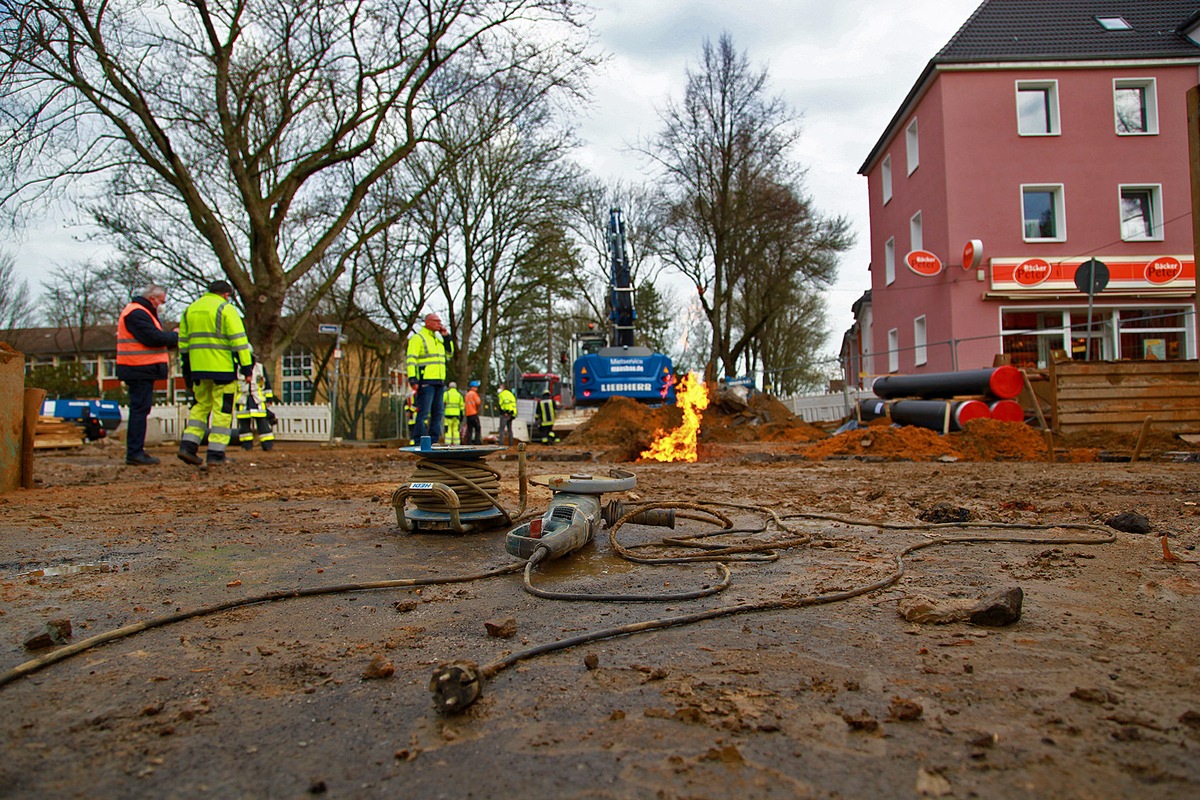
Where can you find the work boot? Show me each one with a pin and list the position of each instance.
(141, 459)
(248, 445)
(266, 446)
(215, 460)
(189, 452)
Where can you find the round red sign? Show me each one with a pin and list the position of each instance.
(924, 263)
(972, 254)
(1032, 271)
(1163, 270)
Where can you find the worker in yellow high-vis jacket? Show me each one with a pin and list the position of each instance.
(213, 350)
(429, 349)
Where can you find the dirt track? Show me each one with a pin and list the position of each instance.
(1092, 693)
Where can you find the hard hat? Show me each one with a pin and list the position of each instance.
(473, 383)
(453, 385)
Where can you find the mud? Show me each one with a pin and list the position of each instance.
(1092, 693)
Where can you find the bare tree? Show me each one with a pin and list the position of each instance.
(16, 304)
(724, 155)
(241, 137)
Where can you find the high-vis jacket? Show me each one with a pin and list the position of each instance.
(452, 403)
(426, 356)
(255, 393)
(212, 340)
(508, 402)
(472, 402)
(142, 343)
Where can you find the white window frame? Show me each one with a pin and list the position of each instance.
(912, 146)
(916, 233)
(1060, 211)
(885, 177)
(894, 350)
(1149, 87)
(1156, 210)
(920, 353)
(889, 261)
(1050, 87)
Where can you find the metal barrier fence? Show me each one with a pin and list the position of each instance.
(293, 422)
(825, 407)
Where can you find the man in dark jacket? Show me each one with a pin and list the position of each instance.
(142, 359)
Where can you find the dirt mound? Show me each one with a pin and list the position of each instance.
(980, 440)
(624, 427)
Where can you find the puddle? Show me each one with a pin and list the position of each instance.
(66, 569)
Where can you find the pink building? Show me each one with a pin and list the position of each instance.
(1047, 135)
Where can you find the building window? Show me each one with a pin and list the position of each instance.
(919, 354)
(1033, 338)
(893, 350)
(108, 367)
(1141, 213)
(1114, 24)
(1135, 106)
(889, 261)
(886, 175)
(1043, 213)
(1037, 108)
(912, 146)
(916, 234)
(1158, 334)
(297, 367)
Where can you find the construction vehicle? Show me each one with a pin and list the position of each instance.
(614, 366)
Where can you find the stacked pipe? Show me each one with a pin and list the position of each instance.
(929, 400)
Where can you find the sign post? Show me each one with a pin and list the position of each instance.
(336, 331)
(1091, 277)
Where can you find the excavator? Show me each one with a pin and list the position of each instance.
(612, 365)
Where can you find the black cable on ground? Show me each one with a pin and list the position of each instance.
(75, 648)
(786, 603)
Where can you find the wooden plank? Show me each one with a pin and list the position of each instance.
(32, 403)
(1178, 368)
(1177, 394)
(1133, 417)
(56, 442)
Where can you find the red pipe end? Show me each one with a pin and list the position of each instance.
(1008, 411)
(968, 410)
(1006, 382)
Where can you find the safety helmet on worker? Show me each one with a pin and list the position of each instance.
(473, 383)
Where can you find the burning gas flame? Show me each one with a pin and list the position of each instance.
(680, 444)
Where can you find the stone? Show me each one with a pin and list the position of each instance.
(944, 512)
(501, 628)
(1128, 522)
(1000, 609)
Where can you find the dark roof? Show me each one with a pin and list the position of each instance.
(61, 341)
(1026, 30)
(1015, 31)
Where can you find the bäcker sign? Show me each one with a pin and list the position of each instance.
(1159, 274)
(924, 263)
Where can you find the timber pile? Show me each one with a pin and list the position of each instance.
(1120, 395)
(53, 433)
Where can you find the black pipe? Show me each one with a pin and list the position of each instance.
(1000, 382)
(933, 414)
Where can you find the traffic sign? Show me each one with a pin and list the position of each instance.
(334, 329)
(1091, 276)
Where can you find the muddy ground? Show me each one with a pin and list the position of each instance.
(1093, 693)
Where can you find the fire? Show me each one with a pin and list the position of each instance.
(680, 444)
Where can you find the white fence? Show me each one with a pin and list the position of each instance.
(825, 407)
(293, 423)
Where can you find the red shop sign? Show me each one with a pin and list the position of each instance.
(924, 263)
(1163, 270)
(1032, 271)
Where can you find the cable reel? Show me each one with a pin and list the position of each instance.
(453, 490)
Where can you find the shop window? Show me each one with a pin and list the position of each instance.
(1135, 106)
(1031, 338)
(920, 356)
(912, 146)
(1158, 334)
(1141, 213)
(886, 178)
(1043, 213)
(889, 261)
(1037, 108)
(893, 350)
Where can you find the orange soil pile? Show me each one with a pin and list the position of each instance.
(980, 440)
(626, 427)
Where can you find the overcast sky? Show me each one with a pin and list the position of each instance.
(844, 66)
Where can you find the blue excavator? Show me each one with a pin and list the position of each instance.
(613, 366)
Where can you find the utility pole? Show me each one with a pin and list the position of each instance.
(1193, 120)
(336, 331)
